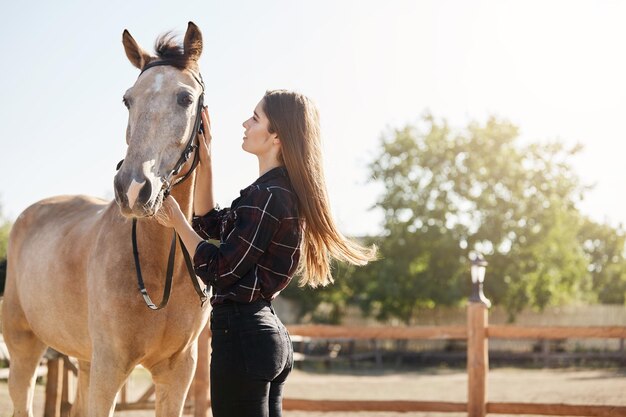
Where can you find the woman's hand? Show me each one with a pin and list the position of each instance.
(203, 194)
(170, 214)
(204, 139)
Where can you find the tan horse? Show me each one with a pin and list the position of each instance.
(71, 281)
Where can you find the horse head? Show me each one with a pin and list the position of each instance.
(164, 108)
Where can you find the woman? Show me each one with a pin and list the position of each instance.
(279, 226)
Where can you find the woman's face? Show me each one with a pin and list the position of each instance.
(257, 139)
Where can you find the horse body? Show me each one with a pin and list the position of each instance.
(71, 281)
(52, 270)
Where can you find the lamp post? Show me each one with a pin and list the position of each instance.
(479, 265)
(477, 349)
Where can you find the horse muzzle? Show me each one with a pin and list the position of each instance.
(137, 198)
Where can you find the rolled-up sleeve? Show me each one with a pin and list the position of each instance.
(203, 261)
(208, 225)
(256, 220)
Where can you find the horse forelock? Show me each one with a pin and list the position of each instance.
(168, 48)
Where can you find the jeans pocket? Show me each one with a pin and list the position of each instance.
(264, 352)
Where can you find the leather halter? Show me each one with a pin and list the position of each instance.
(190, 147)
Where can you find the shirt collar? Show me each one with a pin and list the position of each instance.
(272, 174)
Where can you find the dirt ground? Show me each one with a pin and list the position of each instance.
(570, 386)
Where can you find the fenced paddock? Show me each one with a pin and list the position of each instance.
(477, 332)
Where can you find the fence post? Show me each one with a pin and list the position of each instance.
(54, 387)
(201, 378)
(477, 359)
(65, 396)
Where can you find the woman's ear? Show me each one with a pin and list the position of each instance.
(275, 139)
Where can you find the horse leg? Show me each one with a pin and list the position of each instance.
(79, 408)
(108, 372)
(172, 378)
(26, 351)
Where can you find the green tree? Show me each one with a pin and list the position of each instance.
(324, 304)
(5, 228)
(447, 193)
(604, 247)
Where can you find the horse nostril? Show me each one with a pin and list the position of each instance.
(145, 193)
(120, 195)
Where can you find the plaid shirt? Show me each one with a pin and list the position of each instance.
(259, 242)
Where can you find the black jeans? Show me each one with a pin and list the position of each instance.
(250, 360)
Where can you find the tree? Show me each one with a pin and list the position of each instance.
(447, 193)
(324, 304)
(604, 247)
(5, 228)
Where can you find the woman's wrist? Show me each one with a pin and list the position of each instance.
(178, 220)
(204, 163)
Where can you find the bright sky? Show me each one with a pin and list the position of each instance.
(557, 69)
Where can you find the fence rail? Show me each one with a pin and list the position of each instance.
(391, 333)
(356, 405)
(556, 409)
(453, 407)
(560, 332)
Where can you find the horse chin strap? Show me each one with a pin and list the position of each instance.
(190, 147)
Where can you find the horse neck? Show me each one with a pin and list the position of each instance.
(156, 238)
(183, 193)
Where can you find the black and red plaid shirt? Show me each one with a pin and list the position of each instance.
(259, 242)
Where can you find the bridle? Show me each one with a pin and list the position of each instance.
(190, 147)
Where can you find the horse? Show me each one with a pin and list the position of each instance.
(71, 275)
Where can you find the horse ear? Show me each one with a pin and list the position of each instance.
(193, 42)
(135, 53)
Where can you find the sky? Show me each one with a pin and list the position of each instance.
(556, 69)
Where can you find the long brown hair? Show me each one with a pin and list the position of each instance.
(295, 119)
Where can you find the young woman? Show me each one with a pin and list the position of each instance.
(279, 226)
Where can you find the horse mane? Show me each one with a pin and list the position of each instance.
(168, 48)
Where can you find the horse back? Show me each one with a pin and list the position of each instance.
(62, 223)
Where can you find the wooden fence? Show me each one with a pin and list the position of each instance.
(477, 333)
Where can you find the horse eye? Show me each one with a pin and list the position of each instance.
(185, 99)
